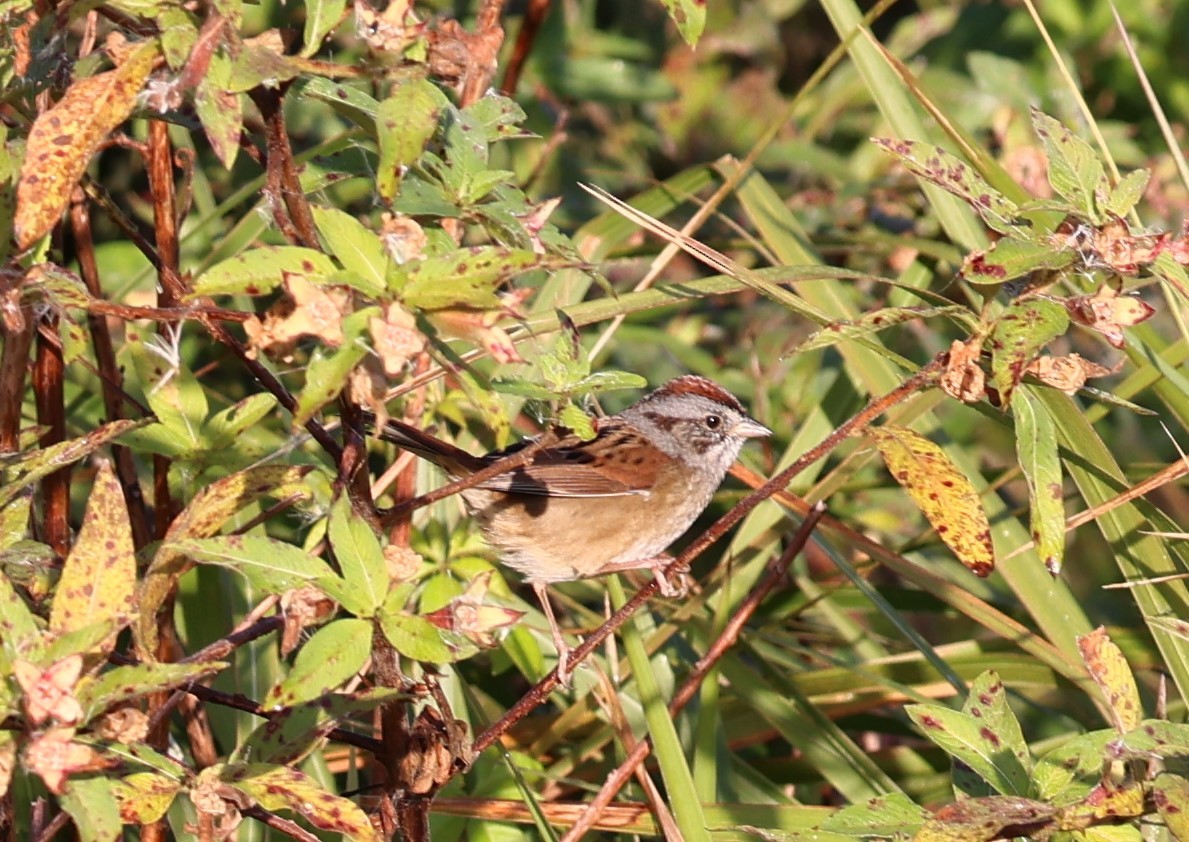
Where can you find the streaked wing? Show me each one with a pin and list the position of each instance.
(616, 463)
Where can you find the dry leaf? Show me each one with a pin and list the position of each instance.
(306, 310)
(395, 339)
(942, 492)
(469, 616)
(963, 377)
(54, 757)
(403, 563)
(389, 31)
(126, 724)
(1067, 373)
(50, 692)
(302, 607)
(403, 237)
(1108, 312)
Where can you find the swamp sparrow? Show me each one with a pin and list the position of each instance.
(588, 508)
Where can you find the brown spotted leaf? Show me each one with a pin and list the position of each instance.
(951, 173)
(280, 788)
(873, 322)
(1068, 372)
(1013, 257)
(1036, 448)
(987, 704)
(963, 378)
(211, 507)
(49, 693)
(1105, 803)
(973, 742)
(1018, 337)
(942, 493)
(891, 816)
(100, 572)
(144, 797)
(64, 138)
(334, 654)
(1153, 738)
(1171, 794)
(984, 819)
(1108, 312)
(123, 684)
(1110, 672)
(259, 271)
(37, 464)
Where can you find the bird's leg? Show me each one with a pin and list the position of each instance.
(678, 587)
(563, 651)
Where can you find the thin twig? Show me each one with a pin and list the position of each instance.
(730, 635)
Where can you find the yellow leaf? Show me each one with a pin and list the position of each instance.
(1110, 672)
(64, 138)
(100, 572)
(942, 493)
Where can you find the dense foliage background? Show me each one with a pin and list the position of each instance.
(936, 247)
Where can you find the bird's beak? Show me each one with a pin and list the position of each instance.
(749, 428)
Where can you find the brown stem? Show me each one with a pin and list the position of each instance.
(49, 394)
(540, 692)
(111, 379)
(534, 15)
(286, 826)
(283, 181)
(14, 368)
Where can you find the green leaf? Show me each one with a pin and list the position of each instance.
(689, 16)
(178, 35)
(18, 628)
(360, 558)
(355, 105)
(224, 427)
(968, 739)
(270, 565)
(468, 277)
(893, 816)
(123, 684)
(322, 16)
(577, 421)
(1068, 772)
(91, 802)
(358, 249)
(327, 372)
(1074, 170)
(405, 122)
(415, 637)
(1036, 448)
(1018, 337)
(1126, 194)
(172, 390)
(259, 271)
(256, 65)
(289, 736)
(335, 653)
(871, 323)
(220, 111)
(609, 381)
(1012, 257)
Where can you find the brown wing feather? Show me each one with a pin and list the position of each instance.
(612, 465)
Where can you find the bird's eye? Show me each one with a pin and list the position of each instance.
(713, 422)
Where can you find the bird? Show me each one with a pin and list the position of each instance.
(586, 508)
